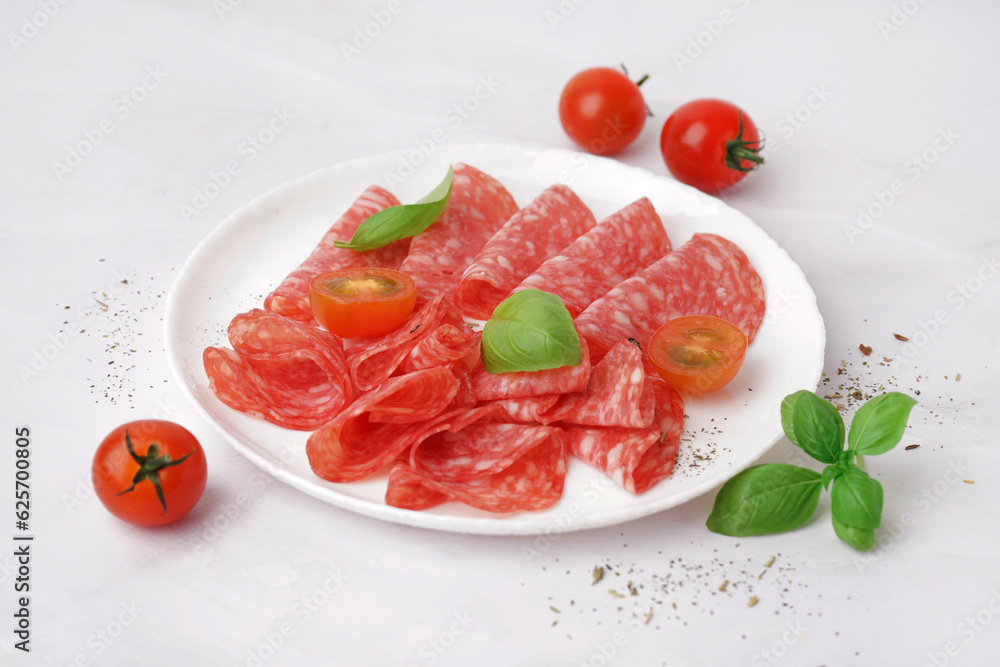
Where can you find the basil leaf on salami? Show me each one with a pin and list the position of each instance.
(400, 222)
(530, 331)
(488, 386)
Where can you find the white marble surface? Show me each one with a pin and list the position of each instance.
(116, 115)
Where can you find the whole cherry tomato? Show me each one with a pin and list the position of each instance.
(602, 110)
(710, 144)
(149, 472)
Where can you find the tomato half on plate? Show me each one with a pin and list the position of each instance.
(697, 354)
(362, 303)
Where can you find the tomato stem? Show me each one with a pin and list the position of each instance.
(150, 465)
(642, 80)
(738, 149)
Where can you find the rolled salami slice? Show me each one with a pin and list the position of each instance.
(617, 248)
(708, 275)
(531, 481)
(291, 297)
(618, 393)
(635, 458)
(380, 424)
(408, 489)
(483, 448)
(373, 360)
(532, 235)
(285, 372)
(521, 384)
(478, 206)
(450, 341)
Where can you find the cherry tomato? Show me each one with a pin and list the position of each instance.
(602, 110)
(710, 144)
(362, 303)
(697, 354)
(149, 472)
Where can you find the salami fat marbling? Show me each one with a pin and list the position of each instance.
(285, 372)
(617, 248)
(707, 275)
(537, 232)
(478, 206)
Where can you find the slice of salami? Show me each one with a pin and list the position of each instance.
(484, 448)
(408, 489)
(479, 205)
(708, 275)
(285, 372)
(532, 235)
(617, 394)
(532, 482)
(373, 360)
(615, 249)
(521, 384)
(635, 458)
(450, 341)
(291, 297)
(530, 409)
(380, 425)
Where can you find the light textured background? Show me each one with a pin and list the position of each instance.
(853, 97)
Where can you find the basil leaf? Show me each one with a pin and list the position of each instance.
(878, 425)
(861, 539)
(766, 498)
(830, 473)
(856, 499)
(787, 410)
(818, 428)
(400, 222)
(530, 330)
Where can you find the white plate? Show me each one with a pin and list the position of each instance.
(250, 252)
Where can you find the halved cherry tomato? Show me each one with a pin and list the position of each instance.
(697, 354)
(149, 472)
(362, 303)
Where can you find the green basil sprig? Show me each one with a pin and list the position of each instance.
(778, 497)
(530, 330)
(400, 222)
